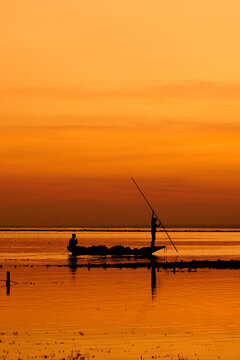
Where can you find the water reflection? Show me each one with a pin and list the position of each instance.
(72, 261)
(122, 310)
(7, 289)
(153, 279)
(73, 265)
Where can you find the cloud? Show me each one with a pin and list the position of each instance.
(186, 89)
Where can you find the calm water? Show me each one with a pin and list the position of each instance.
(56, 312)
(50, 246)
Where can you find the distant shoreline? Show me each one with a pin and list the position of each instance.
(210, 230)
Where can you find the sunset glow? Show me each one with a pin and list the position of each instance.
(93, 92)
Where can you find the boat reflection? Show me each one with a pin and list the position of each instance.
(73, 265)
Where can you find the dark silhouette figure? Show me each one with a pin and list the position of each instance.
(154, 225)
(72, 242)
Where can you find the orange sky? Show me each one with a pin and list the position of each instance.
(93, 92)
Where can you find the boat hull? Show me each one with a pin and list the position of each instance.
(114, 251)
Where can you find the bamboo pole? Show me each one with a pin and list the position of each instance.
(154, 213)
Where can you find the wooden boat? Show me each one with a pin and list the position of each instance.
(114, 251)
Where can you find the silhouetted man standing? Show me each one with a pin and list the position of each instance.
(154, 227)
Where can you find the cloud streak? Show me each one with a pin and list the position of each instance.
(186, 89)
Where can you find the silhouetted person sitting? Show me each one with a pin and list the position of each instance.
(72, 242)
(154, 227)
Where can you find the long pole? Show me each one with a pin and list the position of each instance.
(154, 213)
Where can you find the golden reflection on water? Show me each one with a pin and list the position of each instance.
(50, 246)
(116, 313)
(120, 313)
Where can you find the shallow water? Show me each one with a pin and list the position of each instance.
(117, 313)
(51, 245)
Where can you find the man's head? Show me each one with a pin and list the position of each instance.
(73, 236)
